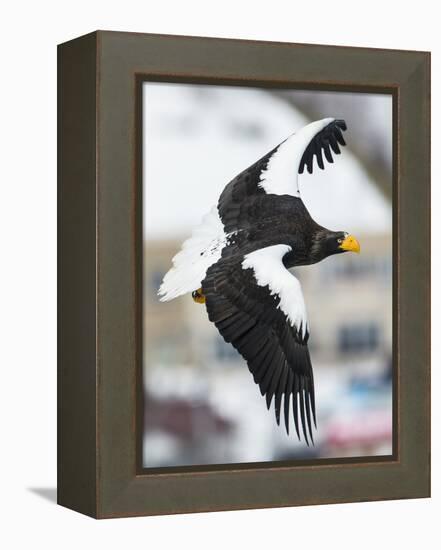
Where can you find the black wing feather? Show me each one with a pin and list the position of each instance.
(318, 154)
(339, 136)
(242, 201)
(325, 140)
(302, 414)
(280, 392)
(248, 316)
(288, 393)
(295, 404)
(243, 186)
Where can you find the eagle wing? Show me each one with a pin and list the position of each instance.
(276, 173)
(252, 204)
(257, 305)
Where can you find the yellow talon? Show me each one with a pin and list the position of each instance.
(198, 296)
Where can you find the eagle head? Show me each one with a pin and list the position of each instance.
(326, 243)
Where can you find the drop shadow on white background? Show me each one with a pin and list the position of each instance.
(47, 493)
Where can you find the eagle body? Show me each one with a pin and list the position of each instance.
(275, 220)
(237, 261)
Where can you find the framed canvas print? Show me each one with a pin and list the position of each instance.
(244, 254)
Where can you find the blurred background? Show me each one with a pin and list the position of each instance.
(202, 406)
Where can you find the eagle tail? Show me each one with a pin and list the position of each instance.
(197, 254)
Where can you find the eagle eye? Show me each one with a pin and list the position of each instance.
(339, 241)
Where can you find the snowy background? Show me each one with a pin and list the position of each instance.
(199, 137)
(201, 403)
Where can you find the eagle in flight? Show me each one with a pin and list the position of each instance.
(236, 263)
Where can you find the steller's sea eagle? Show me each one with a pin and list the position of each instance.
(237, 261)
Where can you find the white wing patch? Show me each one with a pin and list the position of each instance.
(269, 270)
(281, 173)
(198, 253)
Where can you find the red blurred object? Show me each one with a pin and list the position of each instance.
(183, 419)
(360, 430)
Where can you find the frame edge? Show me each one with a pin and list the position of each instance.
(76, 265)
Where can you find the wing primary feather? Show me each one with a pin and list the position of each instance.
(302, 415)
(294, 404)
(278, 374)
(263, 362)
(313, 407)
(268, 399)
(334, 145)
(280, 390)
(320, 158)
(327, 152)
(310, 386)
(267, 377)
(309, 162)
(328, 138)
(339, 136)
(288, 391)
(308, 415)
(274, 379)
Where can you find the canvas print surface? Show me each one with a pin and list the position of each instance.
(267, 274)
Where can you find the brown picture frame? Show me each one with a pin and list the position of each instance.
(100, 266)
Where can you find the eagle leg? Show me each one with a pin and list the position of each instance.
(198, 296)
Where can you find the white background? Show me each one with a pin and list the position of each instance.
(29, 34)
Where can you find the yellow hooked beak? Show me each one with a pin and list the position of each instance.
(350, 244)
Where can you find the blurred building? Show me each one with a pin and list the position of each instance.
(349, 304)
(348, 300)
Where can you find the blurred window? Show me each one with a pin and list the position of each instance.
(358, 338)
(373, 267)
